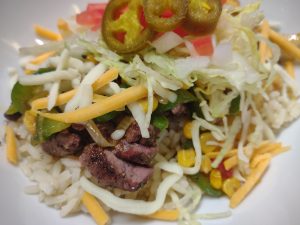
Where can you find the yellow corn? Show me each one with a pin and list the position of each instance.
(29, 121)
(230, 186)
(91, 58)
(215, 179)
(186, 157)
(206, 164)
(144, 104)
(187, 129)
(28, 72)
(204, 138)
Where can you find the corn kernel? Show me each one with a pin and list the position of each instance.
(29, 121)
(204, 138)
(187, 130)
(215, 179)
(206, 164)
(144, 104)
(186, 157)
(230, 186)
(91, 58)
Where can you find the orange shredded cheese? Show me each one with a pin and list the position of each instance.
(63, 27)
(278, 151)
(166, 215)
(249, 184)
(46, 33)
(62, 99)
(213, 155)
(109, 104)
(42, 58)
(231, 162)
(11, 146)
(95, 209)
(264, 51)
(284, 44)
(266, 148)
(257, 159)
(290, 68)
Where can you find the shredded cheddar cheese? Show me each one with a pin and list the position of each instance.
(284, 44)
(109, 104)
(231, 162)
(46, 33)
(95, 209)
(257, 159)
(213, 155)
(266, 148)
(250, 183)
(63, 27)
(11, 146)
(264, 51)
(290, 68)
(62, 99)
(166, 215)
(42, 58)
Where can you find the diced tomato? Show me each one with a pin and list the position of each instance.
(92, 16)
(225, 173)
(203, 45)
(96, 6)
(181, 31)
(223, 2)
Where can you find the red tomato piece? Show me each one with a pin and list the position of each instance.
(96, 6)
(89, 18)
(223, 2)
(203, 45)
(181, 31)
(92, 16)
(225, 173)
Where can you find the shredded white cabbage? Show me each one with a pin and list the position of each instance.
(139, 116)
(84, 94)
(234, 129)
(54, 76)
(54, 91)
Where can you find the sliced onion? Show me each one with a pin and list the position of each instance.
(222, 54)
(96, 135)
(166, 42)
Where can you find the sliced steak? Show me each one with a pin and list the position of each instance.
(133, 135)
(179, 110)
(135, 153)
(63, 143)
(106, 129)
(111, 171)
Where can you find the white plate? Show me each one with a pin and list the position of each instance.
(275, 201)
